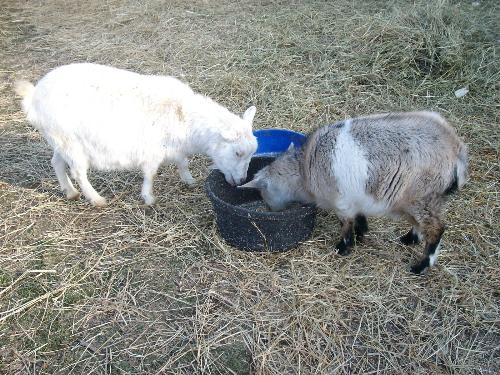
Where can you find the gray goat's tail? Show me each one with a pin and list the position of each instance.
(462, 173)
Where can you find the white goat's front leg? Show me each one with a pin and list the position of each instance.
(147, 185)
(80, 175)
(182, 166)
(60, 168)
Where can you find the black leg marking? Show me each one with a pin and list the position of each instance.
(345, 244)
(410, 238)
(360, 227)
(430, 251)
(425, 219)
(421, 266)
(343, 248)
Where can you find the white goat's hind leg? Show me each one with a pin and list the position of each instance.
(147, 185)
(60, 168)
(80, 175)
(182, 166)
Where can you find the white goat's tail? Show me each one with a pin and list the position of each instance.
(462, 166)
(25, 90)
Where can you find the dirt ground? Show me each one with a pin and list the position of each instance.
(134, 290)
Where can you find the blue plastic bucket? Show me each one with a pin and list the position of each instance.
(272, 142)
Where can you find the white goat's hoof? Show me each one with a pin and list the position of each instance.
(73, 195)
(189, 182)
(99, 202)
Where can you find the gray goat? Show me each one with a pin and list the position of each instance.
(395, 164)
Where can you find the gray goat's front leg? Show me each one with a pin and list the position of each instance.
(360, 227)
(345, 244)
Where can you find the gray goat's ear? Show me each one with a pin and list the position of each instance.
(291, 147)
(256, 183)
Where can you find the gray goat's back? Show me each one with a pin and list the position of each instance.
(407, 156)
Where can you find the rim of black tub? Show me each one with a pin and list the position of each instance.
(301, 211)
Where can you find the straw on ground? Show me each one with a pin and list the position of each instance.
(137, 290)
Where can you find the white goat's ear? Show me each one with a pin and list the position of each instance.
(249, 114)
(256, 183)
(291, 146)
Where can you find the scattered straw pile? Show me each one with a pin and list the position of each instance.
(136, 290)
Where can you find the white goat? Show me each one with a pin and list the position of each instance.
(106, 118)
(396, 164)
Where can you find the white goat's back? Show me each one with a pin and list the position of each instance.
(114, 116)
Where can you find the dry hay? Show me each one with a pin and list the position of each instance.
(129, 289)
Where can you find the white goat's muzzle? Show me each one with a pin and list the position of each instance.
(234, 181)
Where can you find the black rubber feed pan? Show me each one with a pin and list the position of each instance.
(244, 221)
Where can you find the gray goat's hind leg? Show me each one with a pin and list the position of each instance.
(433, 230)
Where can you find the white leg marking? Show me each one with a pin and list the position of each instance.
(419, 234)
(433, 257)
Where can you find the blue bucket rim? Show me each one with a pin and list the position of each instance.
(298, 137)
(279, 130)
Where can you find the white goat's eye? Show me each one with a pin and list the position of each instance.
(239, 154)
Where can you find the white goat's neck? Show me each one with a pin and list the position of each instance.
(205, 121)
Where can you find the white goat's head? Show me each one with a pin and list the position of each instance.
(237, 145)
